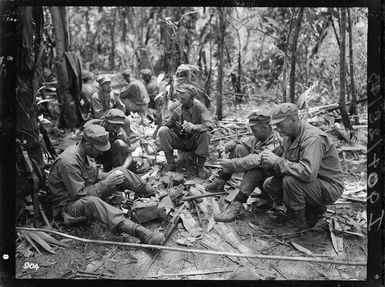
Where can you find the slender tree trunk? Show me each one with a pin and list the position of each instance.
(124, 25)
(222, 29)
(341, 103)
(353, 106)
(293, 54)
(70, 116)
(284, 76)
(112, 36)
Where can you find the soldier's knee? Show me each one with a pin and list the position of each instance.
(267, 184)
(239, 151)
(163, 131)
(289, 181)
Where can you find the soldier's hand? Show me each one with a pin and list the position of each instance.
(226, 163)
(268, 159)
(229, 146)
(114, 178)
(189, 127)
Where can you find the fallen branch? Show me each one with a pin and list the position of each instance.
(196, 272)
(203, 195)
(209, 252)
(363, 201)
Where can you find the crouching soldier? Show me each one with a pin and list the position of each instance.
(77, 190)
(120, 152)
(308, 176)
(245, 157)
(187, 129)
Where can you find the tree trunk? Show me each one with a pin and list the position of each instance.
(353, 106)
(112, 37)
(70, 116)
(341, 103)
(293, 54)
(284, 76)
(222, 29)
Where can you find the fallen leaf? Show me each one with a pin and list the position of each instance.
(253, 226)
(211, 223)
(189, 241)
(35, 236)
(301, 248)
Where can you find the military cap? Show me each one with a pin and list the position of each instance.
(259, 117)
(186, 88)
(115, 116)
(97, 136)
(282, 111)
(146, 72)
(104, 79)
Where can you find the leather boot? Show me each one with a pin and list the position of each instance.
(233, 211)
(217, 185)
(201, 171)
(297, 222)
(171, 166)
(144, 234)
(314, 213)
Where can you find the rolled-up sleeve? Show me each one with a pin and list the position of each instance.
(309, 164)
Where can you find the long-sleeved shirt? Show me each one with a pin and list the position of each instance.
(197, 114)
(309, 156)
(136, 92)
(72, 177)
(100, 105)
(273, 143)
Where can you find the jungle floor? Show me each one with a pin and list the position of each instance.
(340, 236)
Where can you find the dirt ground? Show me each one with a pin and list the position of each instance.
(250, 234)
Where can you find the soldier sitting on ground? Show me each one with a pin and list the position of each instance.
(151, 85)
(187, 129)
(78, 189)
(135, 96)
(308, 176)
(245, 156)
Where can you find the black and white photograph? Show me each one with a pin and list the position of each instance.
(192, 143)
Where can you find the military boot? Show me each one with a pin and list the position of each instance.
(202, 172)
(171, 165)
(314, 213)
(217, 185)
(233, 211)
(297, 222)
(144, 234)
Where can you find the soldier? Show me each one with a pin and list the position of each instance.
(308, 176)
(77, 188)
(245, 157)
(151, 85)
(187, 129)
(120, 152)
(135, 97)
(105, 98)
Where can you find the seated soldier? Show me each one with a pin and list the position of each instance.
(246, 157)
(151, 85)
(308, 176)
(120, 152)
(106, 98)
(77, 189)
(187, 129)
(135, 96)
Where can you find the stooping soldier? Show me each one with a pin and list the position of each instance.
(187, 129)
(151, 85)
(245, 156)
(78, 189)
(308, 176)
(120, 152)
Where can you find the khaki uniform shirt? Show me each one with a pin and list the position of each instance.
(273, 143)
(101, 105)
(309, 156)
(197, 114)
(136, 92)
(72, 177)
